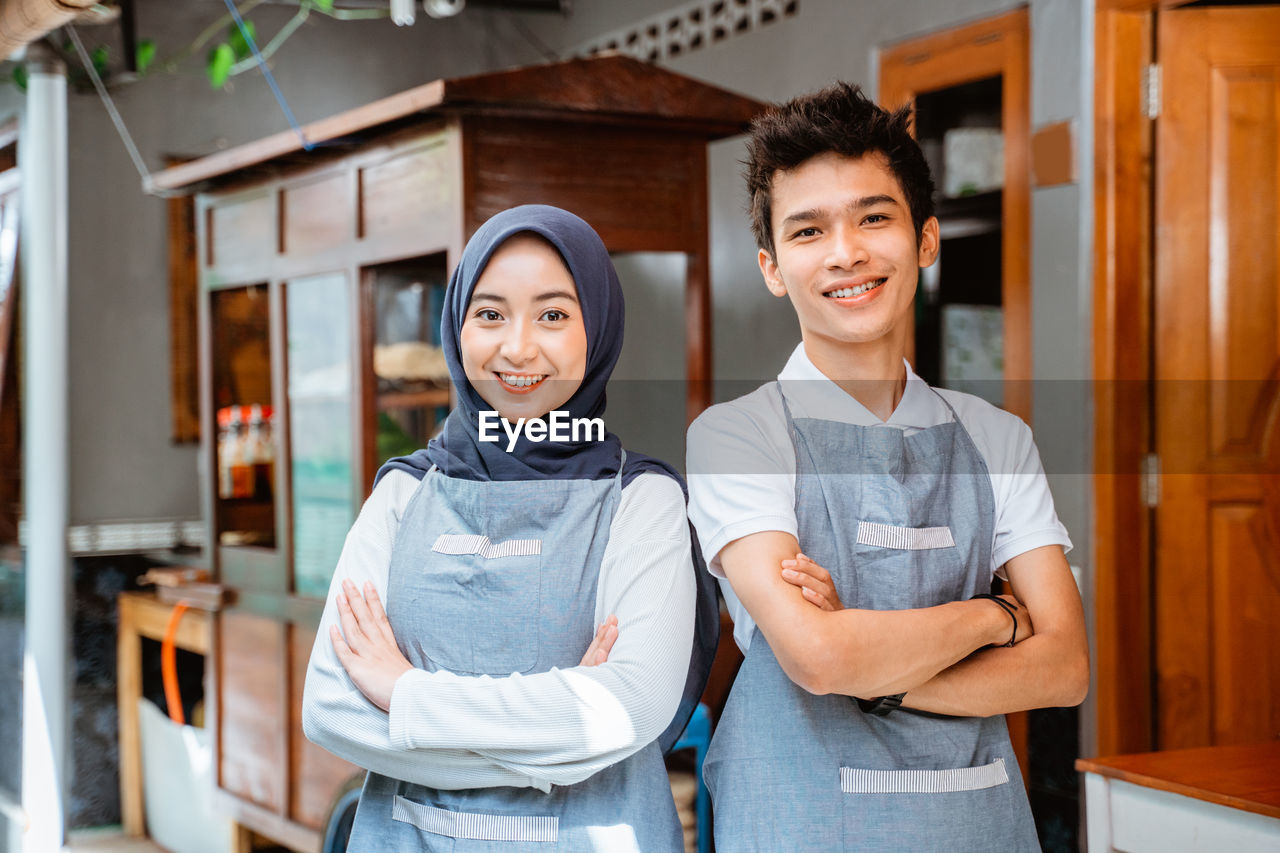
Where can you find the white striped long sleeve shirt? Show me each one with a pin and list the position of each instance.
(557, 727)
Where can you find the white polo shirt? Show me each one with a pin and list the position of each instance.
(742, 465)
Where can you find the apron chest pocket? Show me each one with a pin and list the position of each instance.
(855, 780)
(483, 603)
(904, 538)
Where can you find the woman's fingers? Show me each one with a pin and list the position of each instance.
(601, 643)
(351, 629)
(379, 615)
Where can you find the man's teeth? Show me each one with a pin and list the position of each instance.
(521, 381)
(855, 291)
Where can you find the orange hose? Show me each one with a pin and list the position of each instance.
(169, 664)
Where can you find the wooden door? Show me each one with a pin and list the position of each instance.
(1217, 365)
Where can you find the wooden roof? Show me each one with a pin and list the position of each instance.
(605, 88)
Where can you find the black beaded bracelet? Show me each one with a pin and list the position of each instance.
(1008, 608)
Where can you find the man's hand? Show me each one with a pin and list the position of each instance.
(814, 581)
(365, 645)
(602, 643)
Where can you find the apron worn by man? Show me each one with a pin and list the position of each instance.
(901, 521)
(494, 578)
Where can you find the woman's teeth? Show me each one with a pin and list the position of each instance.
(521, 381)
(855, 291)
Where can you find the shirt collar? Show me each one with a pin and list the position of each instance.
(811, 394)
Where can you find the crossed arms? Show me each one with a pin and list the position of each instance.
(937, 655)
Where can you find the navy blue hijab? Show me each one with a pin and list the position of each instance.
(458, 451)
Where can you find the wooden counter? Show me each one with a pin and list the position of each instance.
(1208, 799)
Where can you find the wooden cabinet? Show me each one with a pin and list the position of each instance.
(969, 88)
(321, 275)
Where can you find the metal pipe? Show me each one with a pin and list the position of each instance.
(42, 160)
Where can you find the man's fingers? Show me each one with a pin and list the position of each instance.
(816, 598)
(359, 607)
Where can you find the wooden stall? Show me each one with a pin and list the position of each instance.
(320, 277)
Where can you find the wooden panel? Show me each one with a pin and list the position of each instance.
(251, 713)
(1121, 369)
(316, 214)
(1246, 632)
(1216, 308)
(415, 193)
(1245, 344)
(183, 299)
(631, 185)
(241, 229)
(316, 776)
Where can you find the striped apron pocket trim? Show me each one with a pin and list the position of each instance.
(904, 538)
(855, 780)
(476, 827)
(457, 544)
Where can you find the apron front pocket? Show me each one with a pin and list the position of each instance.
(904, 538)
(475, 826)
(483, 603)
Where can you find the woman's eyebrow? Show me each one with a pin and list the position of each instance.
(556, 294)
(488, 297)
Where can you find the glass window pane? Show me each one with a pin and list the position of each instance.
(321, 407)
(412, 378)
(245, 454)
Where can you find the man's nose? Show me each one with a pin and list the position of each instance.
(847, 248)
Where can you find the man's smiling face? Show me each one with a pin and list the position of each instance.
(846, 251)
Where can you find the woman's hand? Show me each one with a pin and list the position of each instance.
(369, 652)
(602, 643)
(814, 581)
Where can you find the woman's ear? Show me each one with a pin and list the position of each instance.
(772, 278)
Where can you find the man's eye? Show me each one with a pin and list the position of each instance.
(875, 218)
(805, 232)
(554, 315)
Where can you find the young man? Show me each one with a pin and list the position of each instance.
(867, 714)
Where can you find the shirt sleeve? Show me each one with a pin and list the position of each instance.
(336, 715)
(741, 478)
(1025, 514)
(564, 725)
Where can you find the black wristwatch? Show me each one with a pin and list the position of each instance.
(881, 705)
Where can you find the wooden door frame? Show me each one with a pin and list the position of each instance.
(1124, 246)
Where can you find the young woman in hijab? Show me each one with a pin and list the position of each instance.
(534, 658)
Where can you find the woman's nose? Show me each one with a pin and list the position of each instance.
(518, 346)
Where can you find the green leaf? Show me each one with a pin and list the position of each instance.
(218, 65)
(323, 5)
(20, 77)
(145, 55)
(238, 42)
(99, 57)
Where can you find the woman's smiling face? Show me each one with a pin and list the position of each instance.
(523, 341)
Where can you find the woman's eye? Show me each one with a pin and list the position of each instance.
(488, 315)
(554, 315)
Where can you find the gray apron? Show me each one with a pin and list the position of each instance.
(900, 522)
(469, 592)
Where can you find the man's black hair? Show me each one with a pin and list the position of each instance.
(839, 119)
